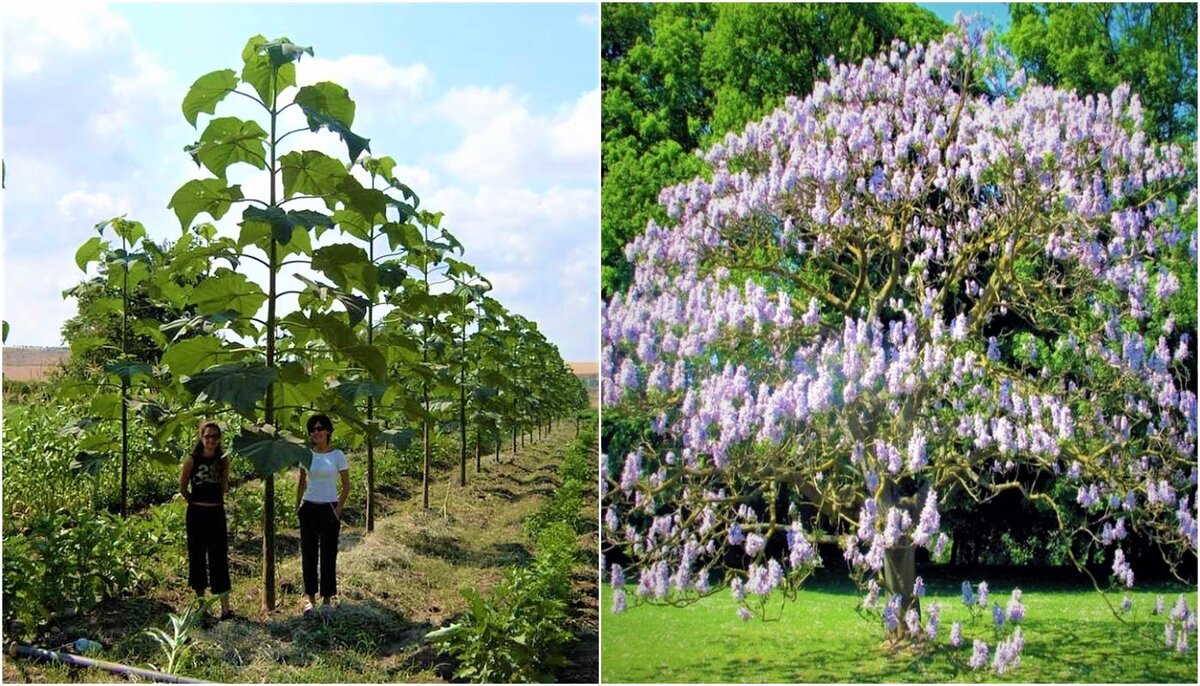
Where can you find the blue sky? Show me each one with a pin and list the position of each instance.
(491, 111)
(997, 12)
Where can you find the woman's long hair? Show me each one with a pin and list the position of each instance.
(198, 451)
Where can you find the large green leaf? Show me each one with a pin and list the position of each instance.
(311, 173)
(370, 203)
(371, 359)
(391, 274)
(128, 371)
(270, 450)
(89, 463)
(283, 224)
(257, 70)
(240, 385)
(353, 223)
(404, 235)
(328, 99)
(356, 305)
(335, 332)
(379, 166)
(282, 51)
(89, 251)
(192, 354)
(355, 144)
(228, 140)
(228, 290)
(165, 458)
(299, 393)
(343, 263)
(107, 405)
(354, 391)
(203, 195)
(400, 438)
(131, 231)
(206, 92)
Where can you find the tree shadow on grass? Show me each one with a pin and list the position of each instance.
(451, 550)
(366, 627)
(113, 621)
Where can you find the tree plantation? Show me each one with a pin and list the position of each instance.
(328, 288)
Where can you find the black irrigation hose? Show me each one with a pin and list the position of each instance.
(81, 661)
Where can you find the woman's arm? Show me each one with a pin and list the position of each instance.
(225, 475)
(301, 485)
(343, 492)
(185, 479)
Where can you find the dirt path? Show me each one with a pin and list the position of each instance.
(396, 584)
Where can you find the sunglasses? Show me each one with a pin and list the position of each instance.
(215, 437)
(318, 428)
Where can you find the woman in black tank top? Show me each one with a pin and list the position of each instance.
(203, 483)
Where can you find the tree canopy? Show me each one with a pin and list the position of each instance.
(929, 276)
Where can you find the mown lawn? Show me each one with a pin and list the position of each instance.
(1070, 636)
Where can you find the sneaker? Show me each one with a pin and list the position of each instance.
(308, 607)
(227, 614)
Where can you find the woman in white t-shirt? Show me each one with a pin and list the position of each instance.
(319, 504)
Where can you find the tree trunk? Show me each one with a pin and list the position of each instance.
(899, 575)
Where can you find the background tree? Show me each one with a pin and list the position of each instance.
(677, 77)
(924, 278)
(116, 338)
(1092, 47)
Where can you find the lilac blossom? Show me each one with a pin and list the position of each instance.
(1121, 569)
(979, 655)
(1008, 652)
(1015, 610)
(956, 634)
(931, 625)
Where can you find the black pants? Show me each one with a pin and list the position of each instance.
(208, 549)
(319, 529)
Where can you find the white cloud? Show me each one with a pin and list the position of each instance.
(367, 73)
(587, 19)
(84, 206)
(35, 32)
(505, 142)
(577, 136)
(33, 304)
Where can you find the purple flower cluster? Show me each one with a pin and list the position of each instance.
(1008, 652)
(979, 655)
(935, 618)
(1121, 569)
(1016, 610)
(968, 594)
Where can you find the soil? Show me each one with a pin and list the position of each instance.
(31, 363)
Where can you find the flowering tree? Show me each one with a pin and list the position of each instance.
(926, 277)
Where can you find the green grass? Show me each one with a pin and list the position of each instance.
(1070, 636)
